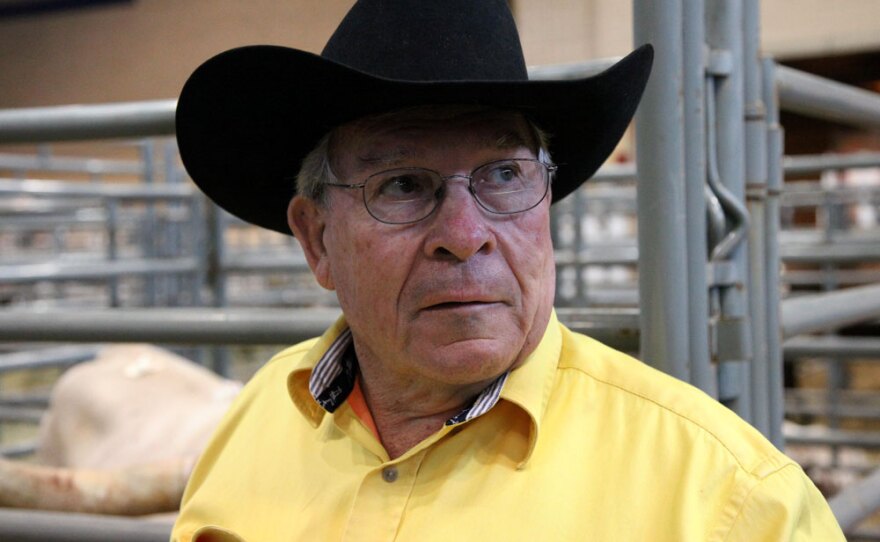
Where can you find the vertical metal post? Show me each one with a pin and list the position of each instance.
(149, 232)
(771, 257)
(724, 34)
(112, 205)
(580, 243)
(217, 277)
(756, 192)
(662, 228)
(695, 57)
(836, 379)
(176, 283)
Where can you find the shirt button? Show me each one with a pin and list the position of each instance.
(389, 474)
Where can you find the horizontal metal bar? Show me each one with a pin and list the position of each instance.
(843, 277)
(284, 297)
(831, 310)
(616, 327)
(54, 189)
(85, 216)
(817, 97)
(599, 255)
(617, 193)
(624, 254)
(56, 271)
(604, 296)
(856, 501)
(826, 410)
(173, 326)
(812, 236)
(831, 253)
(87, 122)
(283, 260)
(823, 435)
(817, 163)
(19, 449)
(91, 166)
(20, 415)
(41, 526)
(58, 356)
(864, 404)
(832, 347)
(843, 196)
(812, 193)
(34, 207)
(32, 400)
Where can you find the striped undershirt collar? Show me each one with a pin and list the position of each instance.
(333, 379)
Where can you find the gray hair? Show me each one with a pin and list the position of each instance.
(316, 169)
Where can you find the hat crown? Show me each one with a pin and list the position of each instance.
(430, 40)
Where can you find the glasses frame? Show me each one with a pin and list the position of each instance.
(549, 170)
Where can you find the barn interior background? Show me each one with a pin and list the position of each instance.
(755, 277)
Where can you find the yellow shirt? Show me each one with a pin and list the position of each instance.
(585, 443)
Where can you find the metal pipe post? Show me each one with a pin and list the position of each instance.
(662, 228)
(702, 372)
(579, 213)
(149, 237)
(112, 247)
(772, 265)
(756, 193)
(724, 34)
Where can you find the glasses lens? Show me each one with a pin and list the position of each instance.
(400, 196)
(510, 186)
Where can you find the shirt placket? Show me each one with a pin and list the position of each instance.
(382, 499)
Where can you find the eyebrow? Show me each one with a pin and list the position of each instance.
(509, 140)
(386, 158)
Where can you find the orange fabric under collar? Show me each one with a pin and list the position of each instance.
(361, 410)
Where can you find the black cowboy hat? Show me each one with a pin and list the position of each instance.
(247, 117)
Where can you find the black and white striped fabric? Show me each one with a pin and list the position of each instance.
(333, 379)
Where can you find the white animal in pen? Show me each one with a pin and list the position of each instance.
(121, 434)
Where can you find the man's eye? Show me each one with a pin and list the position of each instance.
(404, 187)
(503, 174)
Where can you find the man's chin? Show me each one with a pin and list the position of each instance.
(451, 321)
(467, 361)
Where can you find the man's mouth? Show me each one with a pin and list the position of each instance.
(452, 305)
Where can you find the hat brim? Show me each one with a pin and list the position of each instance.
(246, 119)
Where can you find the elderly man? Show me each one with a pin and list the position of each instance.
(448, 402)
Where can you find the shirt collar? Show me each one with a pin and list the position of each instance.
(530, 384)
(323, 379)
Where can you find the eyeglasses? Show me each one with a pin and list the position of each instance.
(407, 195)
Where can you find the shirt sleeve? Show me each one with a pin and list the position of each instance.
(785, 506)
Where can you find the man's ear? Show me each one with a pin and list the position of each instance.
(307, 222)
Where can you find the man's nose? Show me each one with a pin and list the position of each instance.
(459, 228)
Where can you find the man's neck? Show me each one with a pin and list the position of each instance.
(406, 413)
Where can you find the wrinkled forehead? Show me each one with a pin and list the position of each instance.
(392, 137)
